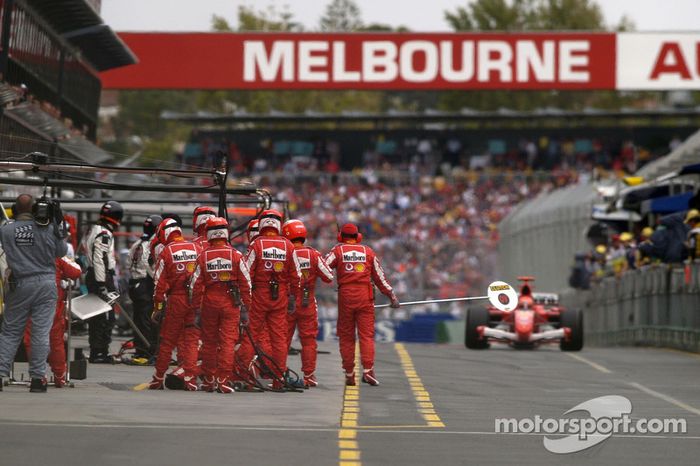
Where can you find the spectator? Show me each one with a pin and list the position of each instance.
(627, 240)
(618, 256)
(668, 241)
(644, 238)
(693, 242)
(581, 272)
(600, 262)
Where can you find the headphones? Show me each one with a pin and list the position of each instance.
(358, 238)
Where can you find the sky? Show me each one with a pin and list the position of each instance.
(417, 15)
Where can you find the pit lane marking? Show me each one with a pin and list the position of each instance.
(640, 387)
(365, 430)
(668, 399)
(425, 406)
(348, 448)
(594, 365)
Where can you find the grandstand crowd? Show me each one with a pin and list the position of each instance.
(427, 155)
(431, 209)
(437, 238)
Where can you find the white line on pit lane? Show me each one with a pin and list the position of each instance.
(314, 429)
(666, 398)
(594, 365)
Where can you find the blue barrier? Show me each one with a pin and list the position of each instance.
(421, 328)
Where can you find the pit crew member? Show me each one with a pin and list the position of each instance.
(357, 268)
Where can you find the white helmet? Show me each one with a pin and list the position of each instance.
(270, 219)
(217, 228)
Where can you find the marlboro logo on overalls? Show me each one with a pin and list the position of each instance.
(218, 265)
(274, 254)
(184, 256)
(354, 256)
(304, 263)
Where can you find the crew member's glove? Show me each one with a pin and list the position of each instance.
(291, 305)
(66, 283)
(157, 314)
(244, 316)
(395, 304)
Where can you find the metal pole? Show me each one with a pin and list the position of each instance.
(431, 301)
(7, 12)
(69, 314)
(61, 79)
(84, 168)
(138, 333)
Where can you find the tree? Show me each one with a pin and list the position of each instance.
(219, 24)
(492, 15)
(380, 27)
(268, 20)
(626, 24)
(341, 16)
(529, 15)
(554, 15)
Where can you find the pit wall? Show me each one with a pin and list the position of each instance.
(655, 306)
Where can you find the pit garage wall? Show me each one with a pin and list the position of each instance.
(540, 237)
(654, 306)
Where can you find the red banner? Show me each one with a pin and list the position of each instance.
(367, 61)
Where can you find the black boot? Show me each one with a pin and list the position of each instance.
(38, 385)
(100, 358)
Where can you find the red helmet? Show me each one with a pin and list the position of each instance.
(168, 230)
(271, 219)
(217, 228)
(253, 230)
(200, 216)
(347, 231)
(294, 230)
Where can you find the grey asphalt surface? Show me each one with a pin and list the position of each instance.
(102, 421)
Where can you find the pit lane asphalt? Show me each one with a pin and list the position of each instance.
(102, 422)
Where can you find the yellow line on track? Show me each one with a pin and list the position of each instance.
(348, 448)
(421, 395)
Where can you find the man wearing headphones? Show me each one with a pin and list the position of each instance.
(141, 290)
(99, 247)
(31, 248)
(357, 270)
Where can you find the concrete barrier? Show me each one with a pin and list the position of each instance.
(653, 306)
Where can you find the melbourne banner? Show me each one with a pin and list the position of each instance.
(623, 61)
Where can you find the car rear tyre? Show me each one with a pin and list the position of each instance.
(475, 318)
(574, 320)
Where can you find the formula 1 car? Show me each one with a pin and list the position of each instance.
(536, 319)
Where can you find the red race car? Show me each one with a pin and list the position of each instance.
(536, 319)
